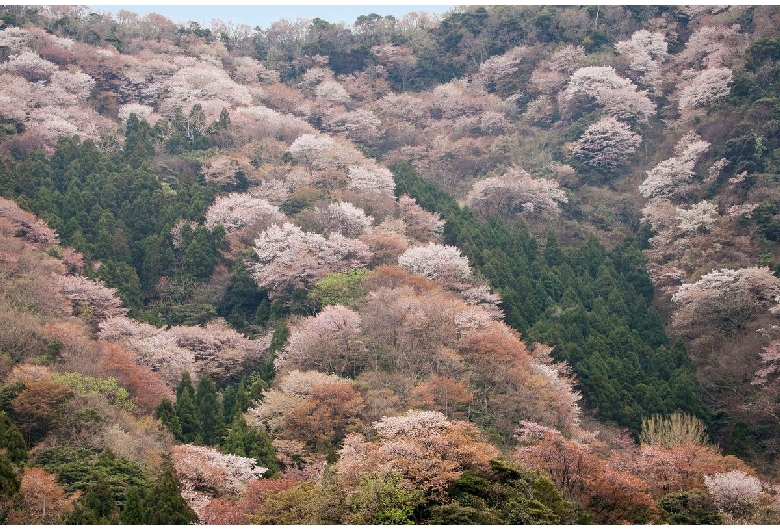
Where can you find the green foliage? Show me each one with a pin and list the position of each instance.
(505, 495)
(384, 500)
(301, 199)
(200, 251)
(72, 465)
(689, 507)
(9, 480)
(12, 444)
(254, 443)
(86, 385)
(308, 502)
(79, 468)
(244, 305)
(166, 413)
(132, 512)
(96, 506)
(114, 209)
(164, 504)
(593, 304)
(212, 426)
(8, 393)
(138, 141)
(340, 288)
(186, 410)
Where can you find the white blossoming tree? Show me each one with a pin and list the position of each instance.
(516, 192)
(443, 263)
(289, 258)
(606, 144)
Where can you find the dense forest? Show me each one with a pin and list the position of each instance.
(510, 264)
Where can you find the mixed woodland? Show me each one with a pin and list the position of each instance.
(510, 264)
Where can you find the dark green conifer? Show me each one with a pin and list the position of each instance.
(133, 511)
(212, 425)
(97, 506)
(11, 440)
(243, 440)
(165, 504)
(166, 413)
(188, 414)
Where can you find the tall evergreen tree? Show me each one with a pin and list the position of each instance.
(97, 506)
(186, 410)
(209, 412)
(133, 510)
(243, 440)
(11, 440)
(165, 504)
(166, 413)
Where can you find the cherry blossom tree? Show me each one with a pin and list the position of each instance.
(406, 107)
(344, 218)
(612, 495)
(27, 225)
(237, 210)
(206, 473)
(275, 191)
(270, 412)
(709, 46)
(645, 51)
(77, 83)
(91, 297)
(705, 88)
(734, 492)
(428, 450)
(516, 192)
(205, 84)
(386, 243)
(617, 95)
(482, 297)
(498, 73)
(606, 144)
(225, 510)
(399, 60)
(140, 110)
(329, 343)
(671, 177)
(15, 97)
(437, 262)
(216, 349)
(766, 377)
(14, 38)
(31, 66)
(700, 216)
(444, 394)
(289, 258)
(559, 381)
(257, 122)
(360, 125)
(306, 147)
(371, 177)
(728, 298)
(678, 467)
(324, 417)
(418, 223)
(292, 388)
(247, 70)
(331, 90)
(568, 58)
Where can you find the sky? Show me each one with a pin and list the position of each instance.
(264, 15)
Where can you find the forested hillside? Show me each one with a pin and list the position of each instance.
(511, 264)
